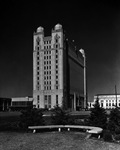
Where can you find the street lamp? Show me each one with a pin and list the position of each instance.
(85, 79)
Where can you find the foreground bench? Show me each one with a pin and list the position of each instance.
(88, 129)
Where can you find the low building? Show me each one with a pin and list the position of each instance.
(91, 105)
(5, 103)
(108, 101)
(21, 103)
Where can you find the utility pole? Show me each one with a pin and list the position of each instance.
(85, 78)
(116, 94)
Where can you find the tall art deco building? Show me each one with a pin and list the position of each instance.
(58, 71)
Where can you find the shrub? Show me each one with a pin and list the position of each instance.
(31, 117)
(98, 116)
(117, 131)
(61, 117)
(117, 137)
(114, 120)
(107, 136)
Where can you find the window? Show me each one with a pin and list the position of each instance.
(56, 40)
(101, 104)
(56, 82)
(56, 87)
(45, 100)
(49, 101)
(38, 98)
(56, 100)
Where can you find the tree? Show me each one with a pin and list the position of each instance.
(114, 120)
(98, 116)
(61, 117)
(31, 117)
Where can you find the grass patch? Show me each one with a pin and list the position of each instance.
(52, 141)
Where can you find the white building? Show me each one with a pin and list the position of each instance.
(108, 101)
(57, 70)
(19, 103)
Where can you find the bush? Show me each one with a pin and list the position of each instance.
(117, 137)
(61, 117)
(114, 120)
(117, 131)
(107, 136)
(31, 117)
(98, 116)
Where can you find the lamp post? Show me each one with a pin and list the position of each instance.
(116, 95)
(85, 79)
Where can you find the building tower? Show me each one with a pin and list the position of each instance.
(54, 72)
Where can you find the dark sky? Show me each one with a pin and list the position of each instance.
(95, 27)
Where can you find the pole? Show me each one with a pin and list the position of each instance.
(84, 81)
(116, 94)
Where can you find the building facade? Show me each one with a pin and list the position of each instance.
(107, 101)
(21, 103)
(5, 103)
(57, 71)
